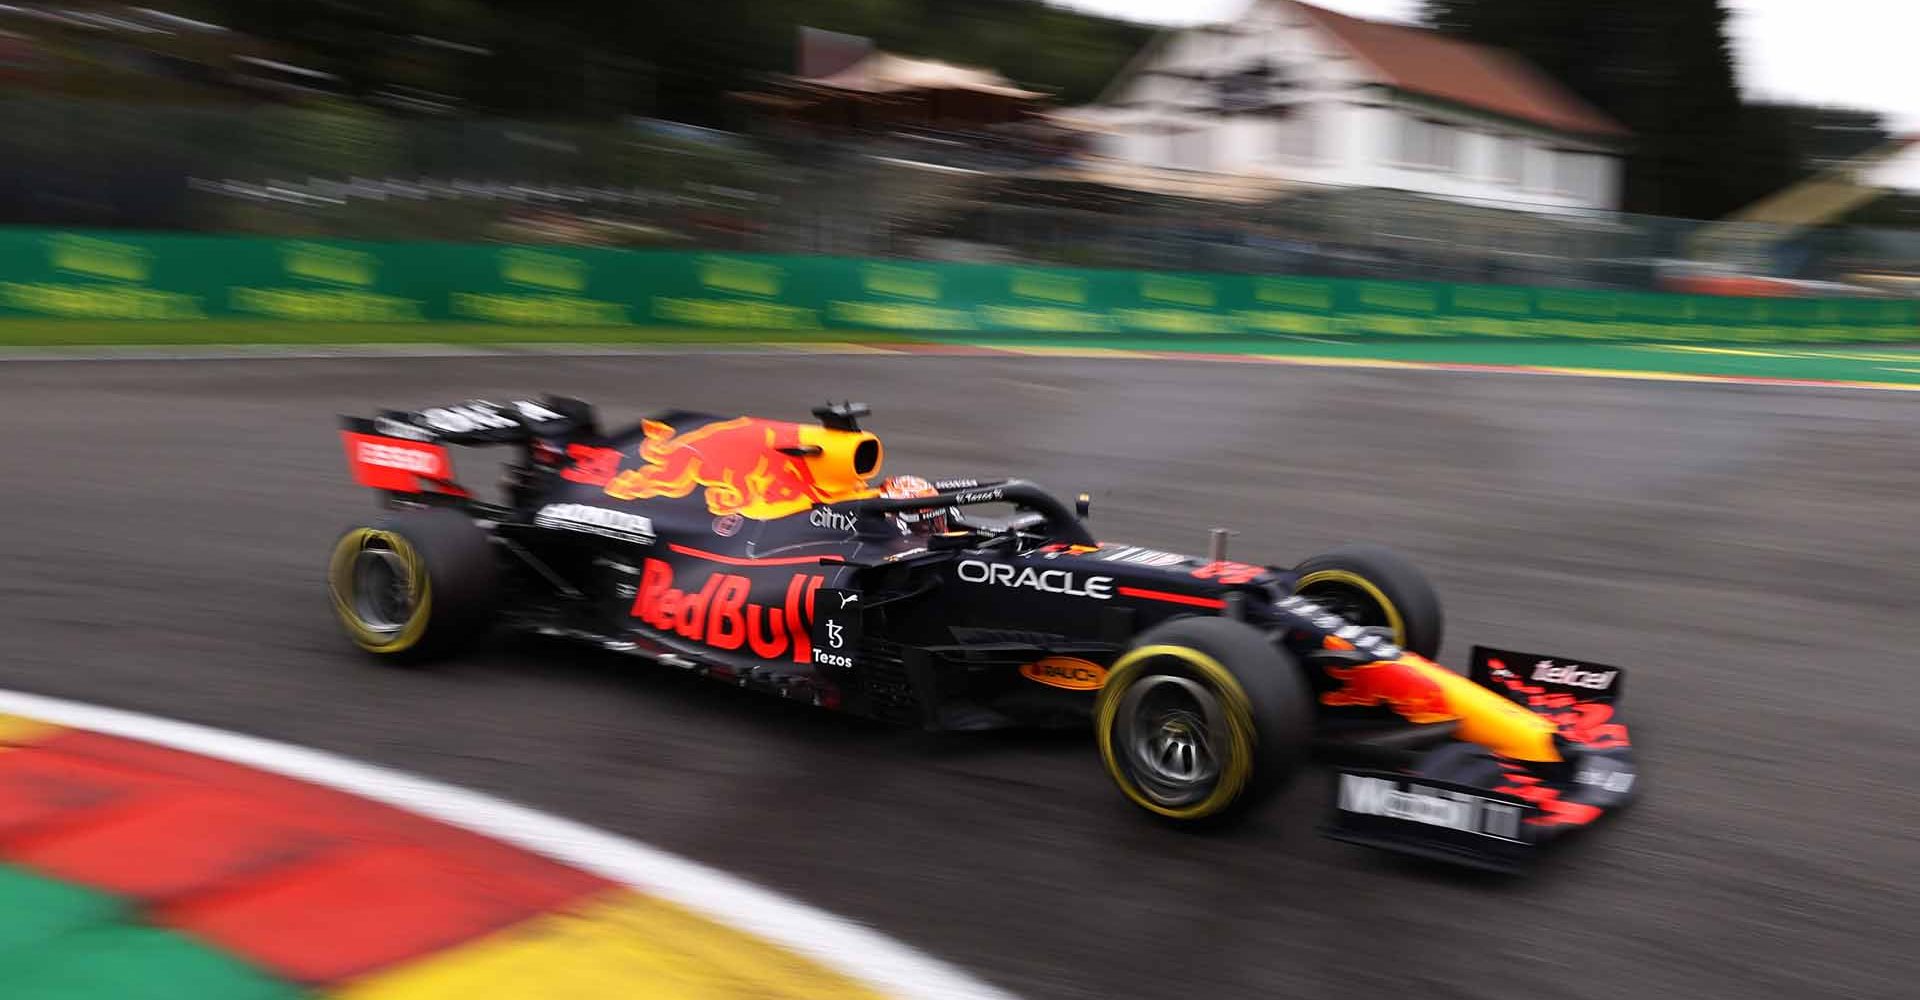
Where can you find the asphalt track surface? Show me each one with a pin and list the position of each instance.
(1748, 553)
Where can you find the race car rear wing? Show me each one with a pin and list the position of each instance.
(404, 451)
(1463, 804)
(397, 465)
(479, 422)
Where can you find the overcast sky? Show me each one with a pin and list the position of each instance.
(1858, 53)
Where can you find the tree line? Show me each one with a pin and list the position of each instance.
(1664, 68)
(676, 59)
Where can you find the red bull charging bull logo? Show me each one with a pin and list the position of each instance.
(755, 468)
(1394, 683)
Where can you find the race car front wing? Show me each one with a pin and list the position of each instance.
(1465, 804)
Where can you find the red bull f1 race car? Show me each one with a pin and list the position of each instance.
(773, 555)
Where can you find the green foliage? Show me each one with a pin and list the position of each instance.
(1665, 69)
(670, 58)
(335, 139)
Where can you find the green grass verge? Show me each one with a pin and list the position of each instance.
(97, 333)
(1895, 363)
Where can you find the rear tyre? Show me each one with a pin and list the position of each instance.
(1201, 719)
(1377, 586)
(418, 585)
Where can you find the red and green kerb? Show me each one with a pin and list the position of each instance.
(133, 871)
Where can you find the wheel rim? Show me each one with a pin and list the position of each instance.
(383, 592)
(1354, 598)
(1171, 732)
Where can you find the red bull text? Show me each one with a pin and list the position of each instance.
(720, 615)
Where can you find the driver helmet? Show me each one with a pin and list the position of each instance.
(930, 521)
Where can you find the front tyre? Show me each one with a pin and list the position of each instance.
(1201, 719)
(420, 584)
(1376, 586)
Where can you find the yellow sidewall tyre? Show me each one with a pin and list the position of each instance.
(1385, 585)
(1237, 702)
(419, 584)
(344, 583)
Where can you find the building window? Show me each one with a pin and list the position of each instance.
(1566, 164)
(1293, 136)
(1189, 149)
(1577, 175)
(1509, 157)
(1428, 143)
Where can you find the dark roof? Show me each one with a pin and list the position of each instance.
(1426, 62)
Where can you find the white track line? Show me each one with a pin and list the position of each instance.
(852, 949)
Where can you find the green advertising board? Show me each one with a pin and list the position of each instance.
(120, 276)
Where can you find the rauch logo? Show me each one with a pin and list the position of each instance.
(1068, 672)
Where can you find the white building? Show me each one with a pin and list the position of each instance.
(1290, 94)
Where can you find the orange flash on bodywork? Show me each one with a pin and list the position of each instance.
(1421, 691)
